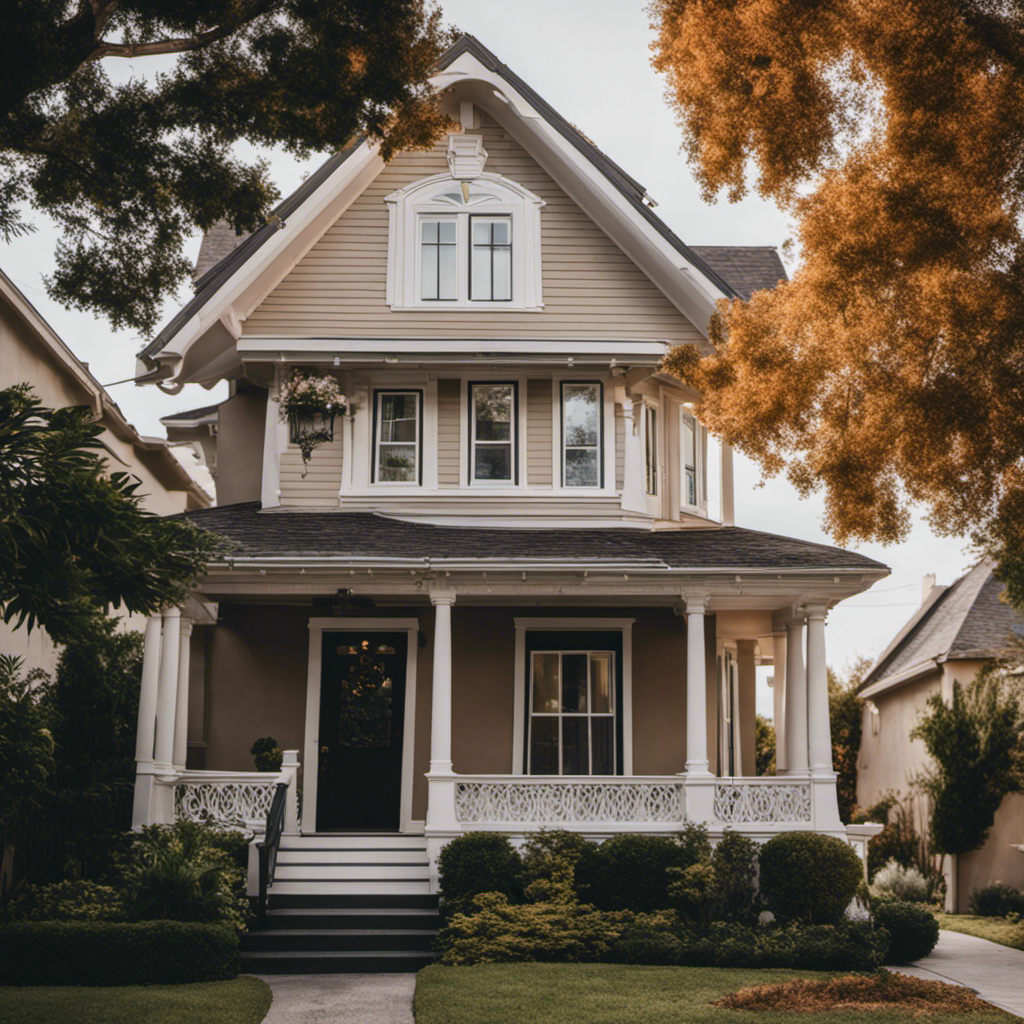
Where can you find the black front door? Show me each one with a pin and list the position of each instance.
(362, 705)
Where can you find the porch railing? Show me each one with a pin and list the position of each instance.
(762, 800)
(516, 800)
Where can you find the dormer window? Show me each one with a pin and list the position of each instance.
(470, 245)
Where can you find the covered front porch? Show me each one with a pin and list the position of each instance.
(433, 703)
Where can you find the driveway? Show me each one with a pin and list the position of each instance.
(995, 972)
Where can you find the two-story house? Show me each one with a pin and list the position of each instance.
(508, 593)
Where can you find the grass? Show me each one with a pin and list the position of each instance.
(242, 1001)
(995, 929)
(611, 994)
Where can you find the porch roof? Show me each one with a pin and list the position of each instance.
(253, 534)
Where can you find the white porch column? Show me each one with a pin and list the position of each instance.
(779, 696)
(145, 732)
(699, 783)
(181, 704)
(796, 698)
(824, 800)
(167, 698)
(746, 709)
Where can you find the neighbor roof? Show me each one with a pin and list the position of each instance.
(205, 413)
(747, 268)
(968, 620)
(221, 259)
(253, 534)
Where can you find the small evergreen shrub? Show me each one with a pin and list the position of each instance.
(648, 940)
(267, 756)
(558, 855)
(901, 883)
(734, 862)
(997, 899)
(809, 877)
(476, 863)
(913, 930)
(67, 901)
(107, 953)
(631, 872)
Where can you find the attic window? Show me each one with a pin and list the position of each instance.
(457, 244)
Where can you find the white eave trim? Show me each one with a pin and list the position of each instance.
(907, 675)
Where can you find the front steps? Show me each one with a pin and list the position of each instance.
(346, 903)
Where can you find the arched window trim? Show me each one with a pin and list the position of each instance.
(407, 207)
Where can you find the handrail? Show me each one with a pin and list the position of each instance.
(267, 849)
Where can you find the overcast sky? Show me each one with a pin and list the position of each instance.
(590, 60)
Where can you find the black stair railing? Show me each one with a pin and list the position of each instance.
(267, 849)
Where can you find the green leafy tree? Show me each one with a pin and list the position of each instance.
(764, 745)
(977, 744)
(73, 538)
(129, 169)
(845, 710)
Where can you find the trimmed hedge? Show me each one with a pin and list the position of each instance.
(809, 877)
(108, 953)
(913, 930)
(475, 863)
(631, 872)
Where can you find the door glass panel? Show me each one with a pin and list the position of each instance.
(574, 682)
(575, 755)
(603, 757)
(544, 746)
(366, 692)
(545, 683)
(601, 683)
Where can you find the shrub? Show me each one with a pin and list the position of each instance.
(631, 872)
(906, 884)
(67, 901)
(106, 953)
(809, 877)
(185, 872)
(557, 854)
(648, 939)
(266, 754)
(996, 900)
(475, 863)
(898, 839)
(502, 932)
(913, 930)
(735, 896)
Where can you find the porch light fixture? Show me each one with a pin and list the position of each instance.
(309, 402)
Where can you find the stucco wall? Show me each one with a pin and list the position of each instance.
(257, 672)
(997, 860)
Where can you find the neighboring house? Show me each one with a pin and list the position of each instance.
(32, 353)
(957, 630)
(509, 593)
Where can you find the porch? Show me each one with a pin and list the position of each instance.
(674, 676)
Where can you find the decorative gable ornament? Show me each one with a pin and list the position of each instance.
(466, 156)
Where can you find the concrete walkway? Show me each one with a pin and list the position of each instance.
(340, 998)
(995, 972)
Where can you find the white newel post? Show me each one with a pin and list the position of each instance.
(441, 822)
(819, 729)
(796, 699)
(145, 733)
(699, 783)
(290, 774)
(166, 706)
(181, 703)
(779, 697)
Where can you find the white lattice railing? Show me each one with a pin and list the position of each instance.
(569, 800)
(762, 800)
(226, 798)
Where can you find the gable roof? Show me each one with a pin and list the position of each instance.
(967, 620)
(604, 190)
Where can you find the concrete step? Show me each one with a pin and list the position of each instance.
(370, 871)
(328, 940)
(377, 962)
(326, 886)
(360, 856)
(343, 919)
(352, 902)
(353, 841)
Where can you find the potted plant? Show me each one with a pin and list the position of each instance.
(309, 402)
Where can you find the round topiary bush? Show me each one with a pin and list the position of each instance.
(474, 863)
(630, 872)
(913, 930)
(809, 877)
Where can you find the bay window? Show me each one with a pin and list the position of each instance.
(493, 409)
(582, 434)
(398, 437)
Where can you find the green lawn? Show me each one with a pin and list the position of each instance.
(608, 994)
(995, 929)
(242, 1001)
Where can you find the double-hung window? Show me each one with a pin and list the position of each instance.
(572, 713)
(690, 458)
(581, 434)
(398, 437)
(492, 433)
(651, 448)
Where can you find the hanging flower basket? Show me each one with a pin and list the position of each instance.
(309, 403)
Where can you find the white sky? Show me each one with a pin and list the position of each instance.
(590, 60)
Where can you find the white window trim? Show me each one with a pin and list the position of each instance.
(466, 483)
(376, 391)
(311, 761)
(607, 484)
(470, 442)
(700, 456)
(409, 205)
(624, 626)
(649, 405)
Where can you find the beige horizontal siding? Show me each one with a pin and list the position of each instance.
(538, 432)
(449, 396)
(591, 288)
(319, 488)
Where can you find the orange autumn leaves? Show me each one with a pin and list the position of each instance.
(890, 369)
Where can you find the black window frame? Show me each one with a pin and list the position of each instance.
(600, 434)
(471, 441)
(511, 261)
